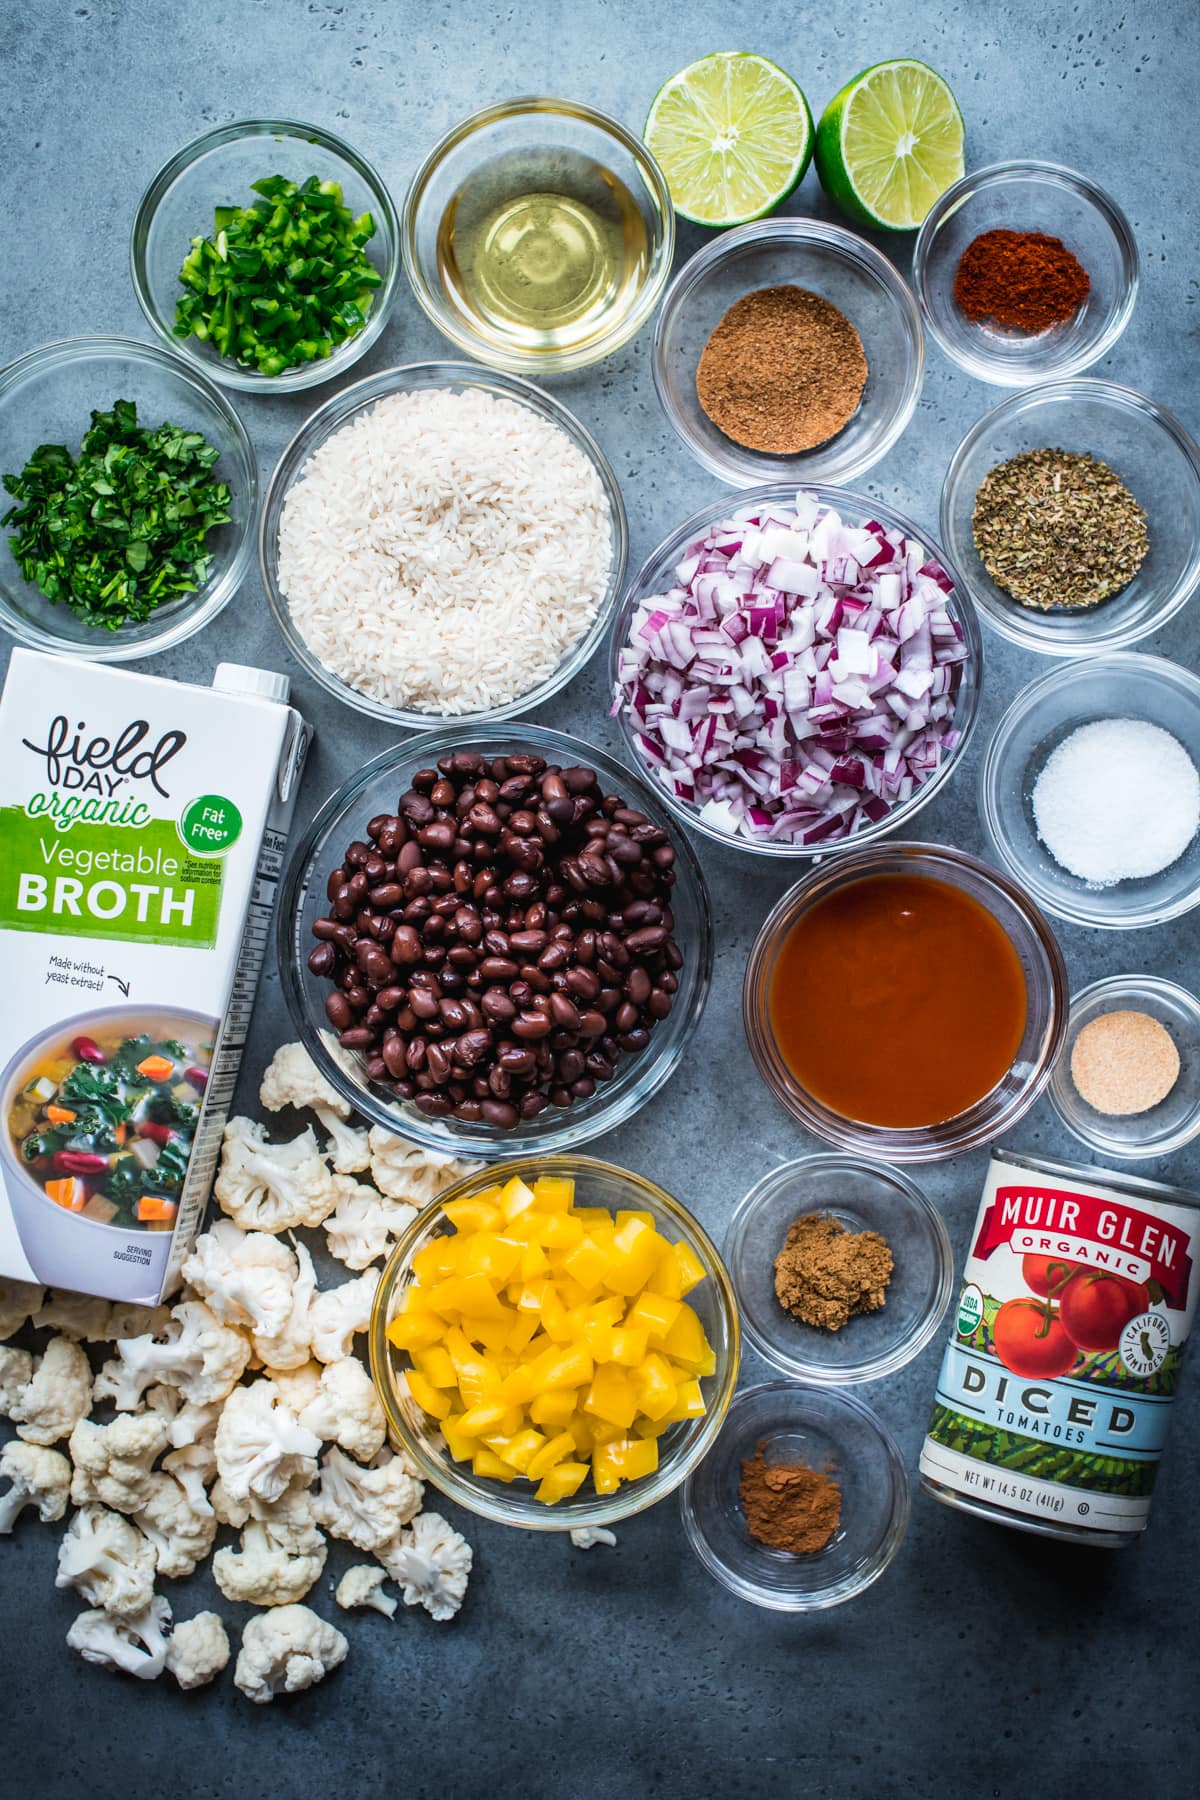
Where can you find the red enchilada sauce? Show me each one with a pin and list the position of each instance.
(897, 1000)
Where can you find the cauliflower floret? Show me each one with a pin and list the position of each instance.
(338, 1313)
(130, 1320)
(272, 1187)
(136, 1643)
(279, 1560)
(297, 1386)
(367, 1506)
(430, 1563)
(246, 1277)
(291, 1346)
(261, 1446)
(59, 1395)
(188, 1423)
(40, 1477)
(286, 1650)
(75, 1315)
(228, 1511)
(16, 1372)
(181, 1536)
(404, 1171)
(198, 1650)
(113, 1462)
(201, 1357)
(346, 1411)
(19, 1300)
(193, 1467)
(292, 1078)
(108, 1560)
(586, 1537)
(362, 1586)
(364, 1225)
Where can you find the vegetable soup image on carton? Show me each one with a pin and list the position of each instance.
(142, 830)
(1055, 1392)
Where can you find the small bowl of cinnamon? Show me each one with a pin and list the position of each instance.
(842, 1267)
(1025, 272)
(802, 1502)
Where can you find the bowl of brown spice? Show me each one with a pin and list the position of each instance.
(802, 1502)
(842, 1267)
(788, 349)
(1128, 1081)
(1073, 514)
(1025, 272)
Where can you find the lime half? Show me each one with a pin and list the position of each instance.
(733, 136)
(889, 143)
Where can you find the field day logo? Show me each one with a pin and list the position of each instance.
(89, 776)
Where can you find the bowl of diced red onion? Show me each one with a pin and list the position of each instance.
(797, 671)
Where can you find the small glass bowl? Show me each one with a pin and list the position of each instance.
(862, 1196)
(1175, 1121)
(680, 1448)
(1027, 196)
(1157, 461)
(831, 1431)
(842, 268)
(375, 789)
(657, 573)
(217, 170)
(1046, 1004)
(341, 411)
(509, 149)
(1127, 685)
(48, 397)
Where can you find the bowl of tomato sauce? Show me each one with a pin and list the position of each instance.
(906, 1001)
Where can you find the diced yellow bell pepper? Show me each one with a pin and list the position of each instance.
(655, 1313)
(641, 1458)
(629, 1344)
(555, 1322)
(603, 1430)
(534, 1262)
(475, 1213)
(554, 1450)
(586, 1263)
(487, 1253)
(519, 1451)
(522, 1331)
(486, 1463)
(559, 1231)
(521, 1386)
(436, 1366)
(532, 1296)
(414, 1331)
(553, 1408)
(593, 1218)
(579, 1425)
(515, 1198)
(436, 1260)
(689, 1403)
(691, 1269)
(565, 1479)
(684, 1340)
(606, 1467)
(654, 1386)
(554, 1193)
(611, 1396)
(571, 1367)
(634, 1256)
(573, 1294)
(461, 1448)
(645, 1427)
(492, 1334)
(477, 1420)
(470, 1294)
(430, 1399)
(631, 1212)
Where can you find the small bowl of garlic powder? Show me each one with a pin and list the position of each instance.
(1128, 1081)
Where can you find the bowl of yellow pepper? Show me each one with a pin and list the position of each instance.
(555, 1342)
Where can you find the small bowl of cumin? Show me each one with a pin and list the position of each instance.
(788, 350)
(842, 1268)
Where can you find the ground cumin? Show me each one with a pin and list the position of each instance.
(825, 1274)
(788, 1506)
(783, 371)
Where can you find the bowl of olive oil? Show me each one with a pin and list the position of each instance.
(538, 235)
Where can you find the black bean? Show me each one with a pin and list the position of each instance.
(338, 1011)
(357, 1038)
(322, 959)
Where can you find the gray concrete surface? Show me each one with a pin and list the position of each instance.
(985, 1662)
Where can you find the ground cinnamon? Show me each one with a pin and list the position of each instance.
(783, 371)
(825, 1274)
(788, 1506)
(1023, 280)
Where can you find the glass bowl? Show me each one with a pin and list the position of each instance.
(862, 1196)
(513, 148)
(829, 1430)
(845, 270)
(658, 572)
(343, 818)
(1046, 1004)
(339, 412)
(1127, 685)
(1027, 196)
(48, 397)
(1175, 1121)
(1154, 457)
(680, 1448)
(217, 170)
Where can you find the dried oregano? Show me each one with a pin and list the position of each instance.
(1056, 530)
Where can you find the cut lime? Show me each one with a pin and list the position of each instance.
(889, 143)
(733, 136)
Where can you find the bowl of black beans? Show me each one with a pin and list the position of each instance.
(495, 935)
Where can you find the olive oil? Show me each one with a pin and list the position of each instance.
(544, 259)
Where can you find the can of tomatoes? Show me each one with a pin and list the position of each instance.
(1056, 1387)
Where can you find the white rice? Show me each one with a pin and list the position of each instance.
(444, 551)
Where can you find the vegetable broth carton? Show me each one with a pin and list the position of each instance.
(142, 829)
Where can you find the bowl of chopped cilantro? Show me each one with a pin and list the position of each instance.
(128, 499)
(266, 253)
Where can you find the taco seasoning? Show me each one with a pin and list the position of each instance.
(1055, 1391)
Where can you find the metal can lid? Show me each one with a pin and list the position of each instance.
(262, 684)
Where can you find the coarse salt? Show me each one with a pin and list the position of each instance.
(1118, 800)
